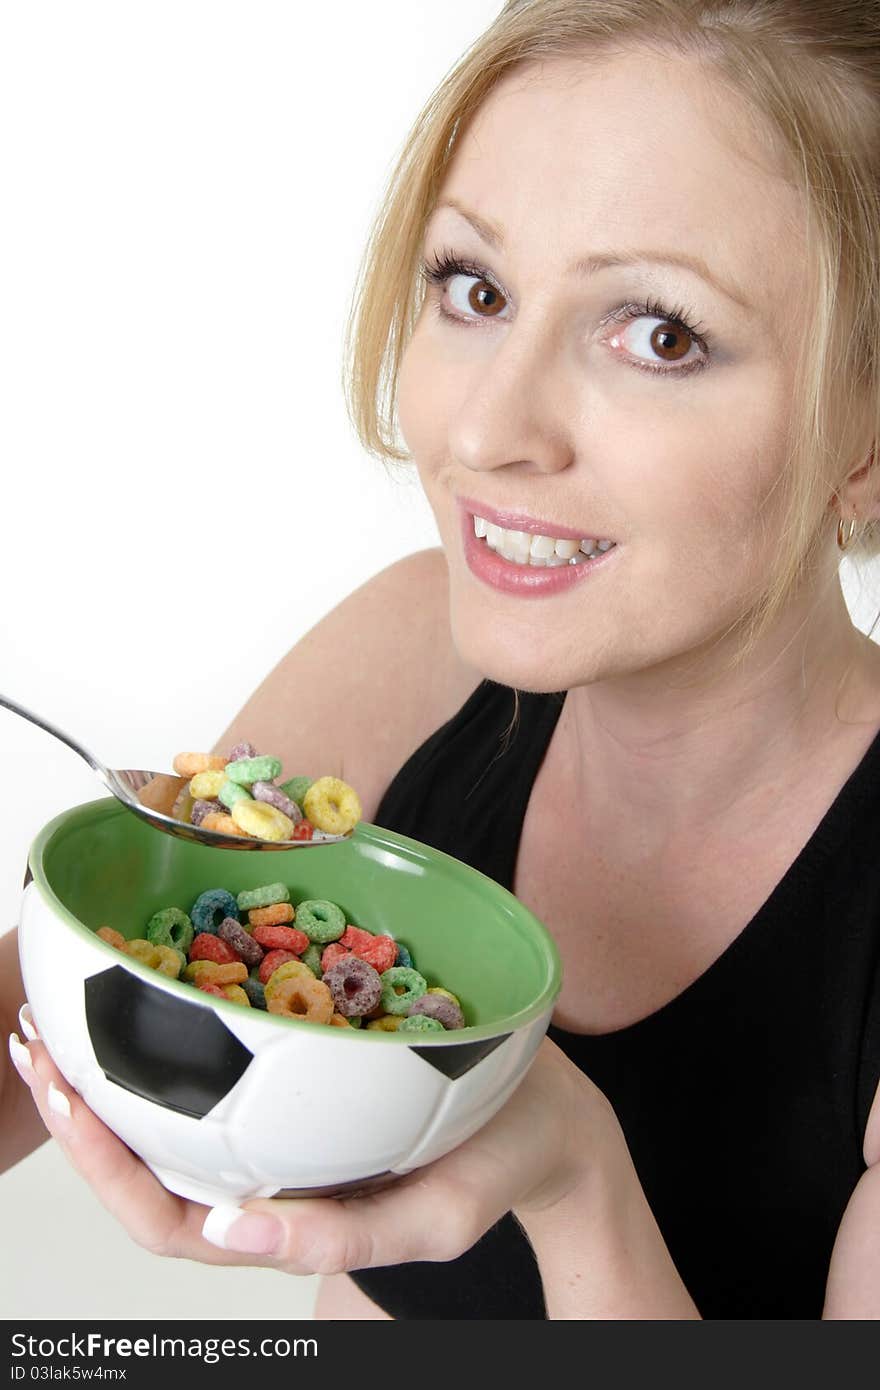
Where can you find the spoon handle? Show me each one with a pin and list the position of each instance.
(55, 732)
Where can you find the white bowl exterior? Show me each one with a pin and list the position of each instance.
(313, 1108)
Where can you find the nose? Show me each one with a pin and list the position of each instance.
(513, 410)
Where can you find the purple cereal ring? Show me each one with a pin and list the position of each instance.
(439, 1007)
(241, 941)
(355, 986)
(274, 796)
(200, 809)
(242, 750)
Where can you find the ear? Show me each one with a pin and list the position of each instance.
(859, 497)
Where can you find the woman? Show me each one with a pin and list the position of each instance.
(641, 389)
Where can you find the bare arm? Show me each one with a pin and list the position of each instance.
(21, 1129)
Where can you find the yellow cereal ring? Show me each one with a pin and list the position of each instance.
(205, 785)
(386, 1023)
(218, 820)
(143, 951)
(339, 1021)
(333, 806)
(109, 934)
(171, 962)
(447, 994)
(236, 994)
(191, 764)
(232, 974)
(288, 971)
(301, 997)
(262, 820)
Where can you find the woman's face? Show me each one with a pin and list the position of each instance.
(550, 391)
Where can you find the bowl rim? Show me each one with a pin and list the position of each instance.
(365, 830)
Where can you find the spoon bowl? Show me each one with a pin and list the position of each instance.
(151, 796)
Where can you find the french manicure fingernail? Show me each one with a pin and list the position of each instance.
(247, 1232)
(26, 1023)
(21, 1057)
(58, 1102)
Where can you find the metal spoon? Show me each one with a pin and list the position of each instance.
(151, 795)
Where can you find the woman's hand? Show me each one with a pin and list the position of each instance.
(536, 1152)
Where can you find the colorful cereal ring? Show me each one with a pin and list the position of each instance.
(412, 984)
(111, 936)
(261, 820)
(420, 1023)
(446, 1011)
(266, 896)
(246, 771)
(241, 941)
(301, 997)
(278, 915)
(321, 920)
(332, 805)
(191, 764)
(171, 927)
(205, 785)
(211, 908)
(356, 987)
(296, 788)
(231, 792)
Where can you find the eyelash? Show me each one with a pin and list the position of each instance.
(441, 268)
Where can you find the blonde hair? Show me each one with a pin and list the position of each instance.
(811, 70)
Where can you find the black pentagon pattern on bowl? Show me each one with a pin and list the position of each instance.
(163, 1048)
(458, 1058)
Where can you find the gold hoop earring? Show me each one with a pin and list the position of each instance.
(844, 541)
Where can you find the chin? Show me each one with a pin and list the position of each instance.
(530, 668)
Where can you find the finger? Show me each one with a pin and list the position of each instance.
(155, 1218)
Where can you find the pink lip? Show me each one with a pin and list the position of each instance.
(516, 521)
(525, 581)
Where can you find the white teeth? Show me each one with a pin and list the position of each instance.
(524, 548)
(542, 547)
(566, 549)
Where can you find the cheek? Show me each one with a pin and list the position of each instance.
(422, 400)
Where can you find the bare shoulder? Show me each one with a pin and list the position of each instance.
(367, 684)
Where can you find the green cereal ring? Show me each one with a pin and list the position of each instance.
(355, 1021)
(267, 896)
(311, 957)
(246, 771)
(420, 1023)
(171, 927)
(230, 792)
(296, 789)
(321, 921)
(414, 986)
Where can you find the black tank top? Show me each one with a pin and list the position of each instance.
(743, 1100)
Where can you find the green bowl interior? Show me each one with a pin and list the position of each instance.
(102, 865)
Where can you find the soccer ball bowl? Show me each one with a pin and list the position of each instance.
(225, 1102)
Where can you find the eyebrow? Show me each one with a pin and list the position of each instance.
(588, 265)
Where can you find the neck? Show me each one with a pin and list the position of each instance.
(679, 747)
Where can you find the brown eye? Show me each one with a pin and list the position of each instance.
(482, 300)
(670, 342)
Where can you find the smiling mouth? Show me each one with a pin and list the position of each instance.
(538, 551)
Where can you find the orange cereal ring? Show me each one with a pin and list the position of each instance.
(218, 820)
(191, 764)
(339, 1022)
(298, 997)
(112, 936)
(273, 916)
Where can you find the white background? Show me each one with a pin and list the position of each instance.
(186, 191)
